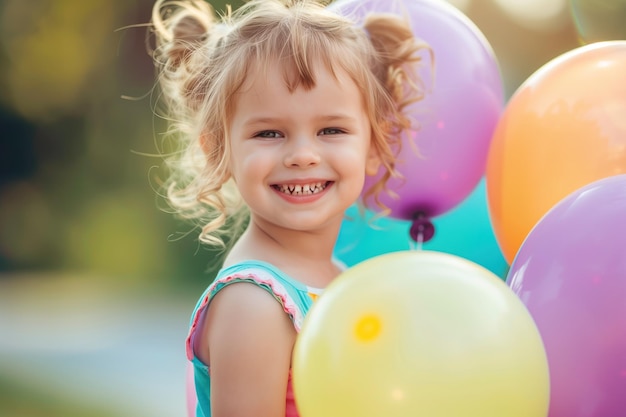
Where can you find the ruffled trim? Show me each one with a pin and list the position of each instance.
(262, 278)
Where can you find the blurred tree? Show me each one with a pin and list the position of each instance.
(75, 191)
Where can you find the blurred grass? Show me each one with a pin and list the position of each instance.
(20, 400)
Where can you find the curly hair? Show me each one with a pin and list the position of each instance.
(203, 59)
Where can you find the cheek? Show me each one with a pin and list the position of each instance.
(238, 159)
(250, 166)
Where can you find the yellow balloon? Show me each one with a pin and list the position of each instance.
(420, 333)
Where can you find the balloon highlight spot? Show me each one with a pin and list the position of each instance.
(367, 328)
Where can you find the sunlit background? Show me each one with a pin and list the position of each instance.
(97, 280)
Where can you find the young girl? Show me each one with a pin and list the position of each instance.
(282, 108)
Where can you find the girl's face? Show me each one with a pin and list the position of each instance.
(300, 159)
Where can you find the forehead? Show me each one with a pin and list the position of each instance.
(274, 77)
(298, 73)
(265, 95)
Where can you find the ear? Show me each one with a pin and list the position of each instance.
(204, 142)
(372, 162)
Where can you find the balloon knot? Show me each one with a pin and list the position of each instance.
(422, 229)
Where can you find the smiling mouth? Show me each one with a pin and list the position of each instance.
(301, 189)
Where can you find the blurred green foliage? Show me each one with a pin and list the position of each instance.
(78, 184)
(22, 401)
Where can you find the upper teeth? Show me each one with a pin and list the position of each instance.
(302, 189)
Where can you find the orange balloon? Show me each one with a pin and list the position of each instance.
(564, 128)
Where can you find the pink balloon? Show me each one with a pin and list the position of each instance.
(570, 272)
(458, 115)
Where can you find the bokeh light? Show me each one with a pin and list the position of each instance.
(55, 50)
(599, 20)
(536, 14)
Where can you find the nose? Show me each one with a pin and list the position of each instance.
(302, 153)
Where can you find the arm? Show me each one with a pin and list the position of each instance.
(248, 340)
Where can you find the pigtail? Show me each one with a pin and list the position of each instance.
(395, 65)
(397, 53)
(181, 30)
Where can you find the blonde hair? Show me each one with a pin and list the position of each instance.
(202, 61)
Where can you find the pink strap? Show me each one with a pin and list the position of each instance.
(290, 405)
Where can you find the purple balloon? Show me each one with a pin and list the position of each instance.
(458, 115)
(570, 272)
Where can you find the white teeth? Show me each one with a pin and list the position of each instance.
(301, 189)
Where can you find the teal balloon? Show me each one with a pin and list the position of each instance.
(464, 231)
(599, 20)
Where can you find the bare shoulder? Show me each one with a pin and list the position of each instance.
(249, 341)
(243, 314)
(242, 303)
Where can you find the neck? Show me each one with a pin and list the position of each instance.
(304, 255)
(309, 246)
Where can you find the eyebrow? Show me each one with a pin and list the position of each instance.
(339, 116)
(324, 118)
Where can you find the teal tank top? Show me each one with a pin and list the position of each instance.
(294, 297)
